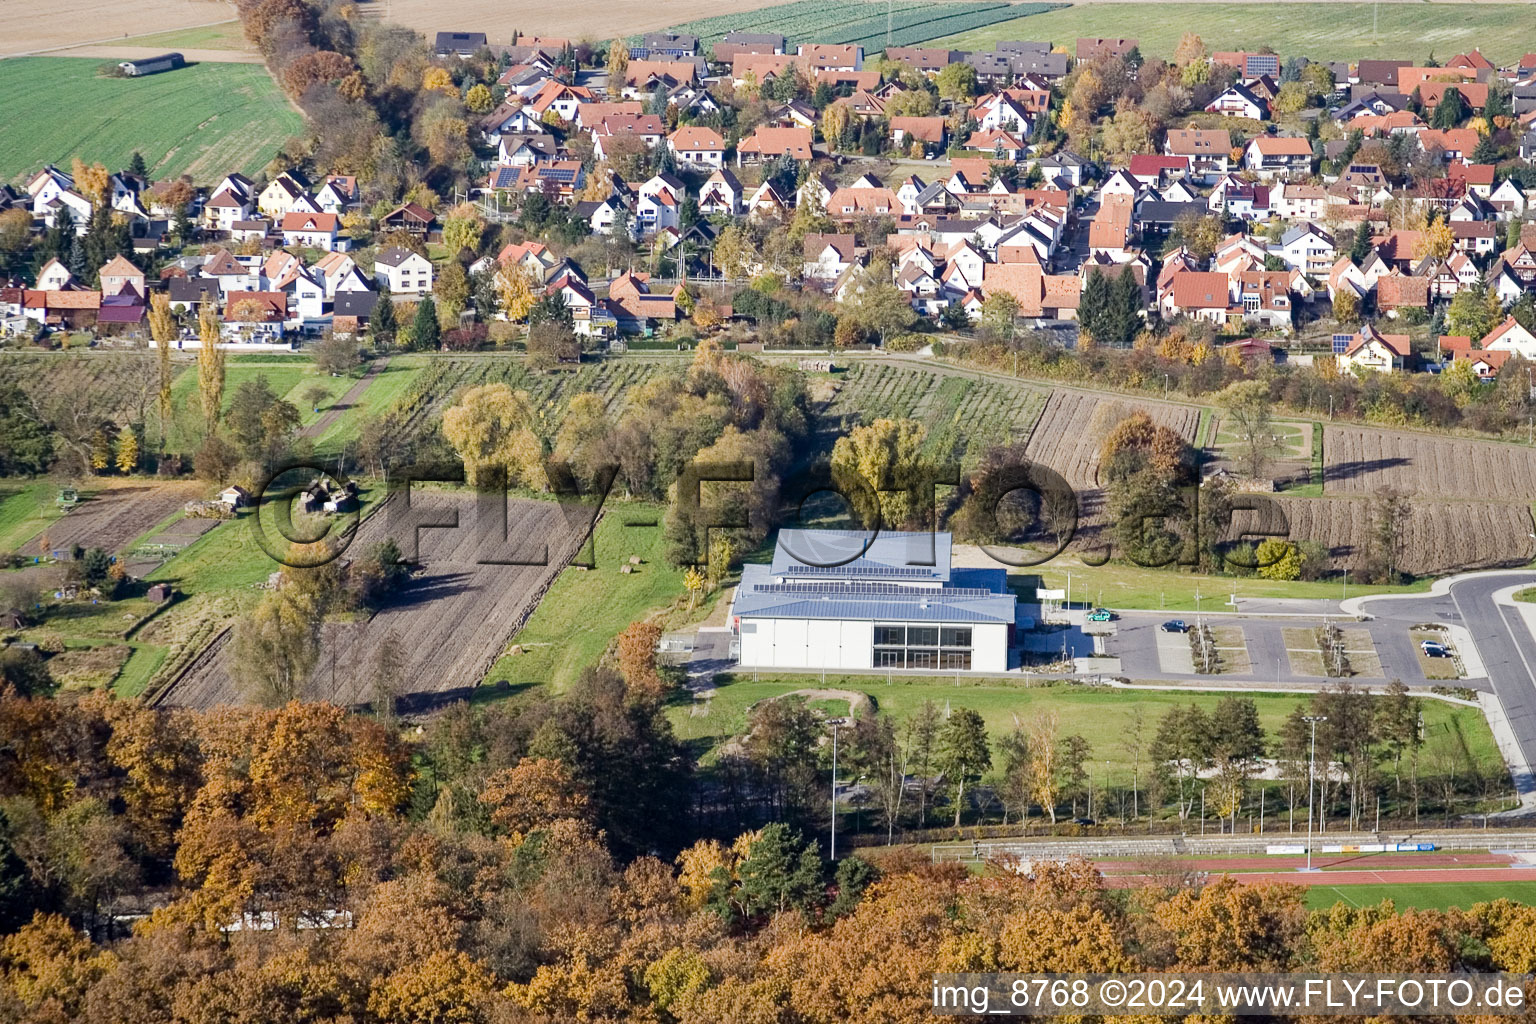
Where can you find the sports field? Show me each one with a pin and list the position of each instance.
(206, 119)
(1329, 31)
(1422, 896)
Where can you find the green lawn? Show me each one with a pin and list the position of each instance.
(1122, 585)
(1104, 717)
(206, 119)
(288, 378)
(1332, 31)
(226, 35)
(382, 392)
(140, 668)
(586, 608)
(26, 509)
(1421, 895)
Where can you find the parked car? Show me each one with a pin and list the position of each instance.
(1175, 626)
(1434, 649)
(1101, 615)
(1084, 821)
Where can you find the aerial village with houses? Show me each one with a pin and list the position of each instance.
(704, 524)
(1370, 211)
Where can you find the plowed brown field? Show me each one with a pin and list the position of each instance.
(1440, 537)
(1363, 460)
(453, 617)
(1074, 424)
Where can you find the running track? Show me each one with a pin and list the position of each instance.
(1403, 877)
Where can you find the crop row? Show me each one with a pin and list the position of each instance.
(824, 21)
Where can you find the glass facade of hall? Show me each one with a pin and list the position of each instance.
(935, 647)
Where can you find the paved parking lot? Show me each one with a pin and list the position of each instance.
(1145, 652)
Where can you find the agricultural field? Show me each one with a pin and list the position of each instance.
(865, 23)
(1365, 460)
(435, 388)
(1438, 537)
(26, 510)
(453, 618)
(120, 385)
(1337, 31)
(122, 511)
(30, 25)
(964, 415)
(204, 119)
(1075, 423)
(291, 379)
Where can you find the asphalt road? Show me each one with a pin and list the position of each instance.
(1505, 645)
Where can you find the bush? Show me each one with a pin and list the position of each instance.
(906, 343)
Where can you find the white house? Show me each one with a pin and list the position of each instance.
(827, 256)
(1271, 156)
(54, 276)
(696, 146)
(403, 271)
(312, 230)
(841, 599)
(721, 193)
(1509, 336)
(1307, 248)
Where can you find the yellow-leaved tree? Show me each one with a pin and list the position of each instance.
(517, 292)
(881, 456)
(494, 430)
(210, 364)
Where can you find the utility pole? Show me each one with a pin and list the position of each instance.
(1311, 720)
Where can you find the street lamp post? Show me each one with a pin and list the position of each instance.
(1311, 720)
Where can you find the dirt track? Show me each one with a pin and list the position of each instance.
(453, 617)
(31, 26)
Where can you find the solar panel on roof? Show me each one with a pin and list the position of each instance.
(866, 570)
(856, 589)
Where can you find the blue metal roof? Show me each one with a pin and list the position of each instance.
(759, 596)
(890, 555)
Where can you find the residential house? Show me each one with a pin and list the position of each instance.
(766, 144)
(312, 231)
(1064, 169)
(280, 194)
(648, 128)
(642, 77)
(929, 131)
(54, 276)
(827, 256)
(1307, 248)
(1152, 171)
(1271, 156)
(118, 275)
(929, 60)
(766, 202)
(1094, 48)
(402, 271)
(1239, 101)
(224, 209)
(1398, 292)
(1200, 295)
(695, 146)
(520, 150)
(1265, 297)
(459, 44)
(848, 57)
(254, 316)
(1510, 336)
(338, 193)
(1206, 150)
(665, 44)
(1248, 65)
(747, 42)
(1296, 201)
(1369, 349)
(721, 193)
(1478, 178)
(1452, 143)
(412, 218)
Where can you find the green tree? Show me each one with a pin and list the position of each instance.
(957, 82)
(1249, 412)
(782, 871)
(381, 325)
(963, 752)
(426, 335)
(1451, 110)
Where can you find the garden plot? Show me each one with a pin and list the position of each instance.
(165, 544)
(453, 617)
(1437, 538)
(114, 517)
(1363, 460)
(1290, 451)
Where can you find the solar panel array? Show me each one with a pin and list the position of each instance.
(897, 571)
(857, 589)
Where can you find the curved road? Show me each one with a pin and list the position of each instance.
(1504, 644)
